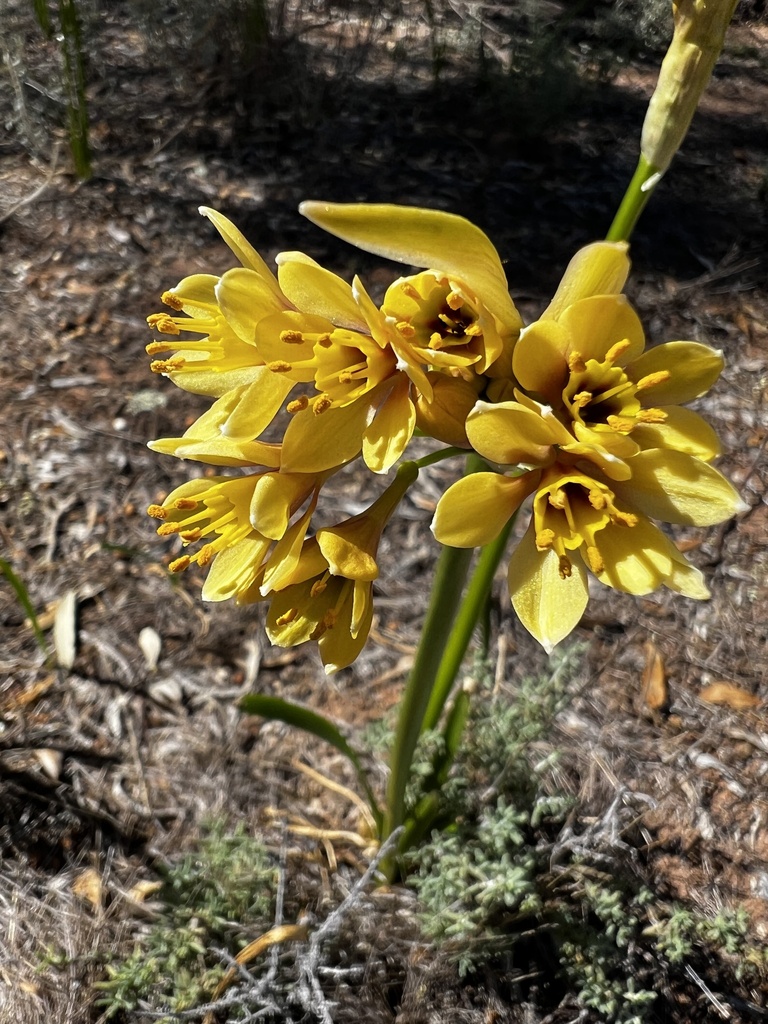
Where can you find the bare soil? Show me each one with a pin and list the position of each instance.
(113, 764)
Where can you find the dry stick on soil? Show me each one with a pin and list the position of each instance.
(308, 988)
(39, 190)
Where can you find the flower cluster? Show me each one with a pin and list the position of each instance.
(307, 373)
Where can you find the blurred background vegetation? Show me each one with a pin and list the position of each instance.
(295, 58)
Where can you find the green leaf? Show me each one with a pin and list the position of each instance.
(43, 16)
(310, 721)
(23, 599)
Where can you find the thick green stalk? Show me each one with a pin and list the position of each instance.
(644, 181)
(448, 584)
(452, 567)
(472, 608)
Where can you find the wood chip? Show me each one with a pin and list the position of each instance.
(65, 630)
(729, 694)
(655, 689)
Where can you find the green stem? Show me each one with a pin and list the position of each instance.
(450, 574)
(644, 181)
(472, 608)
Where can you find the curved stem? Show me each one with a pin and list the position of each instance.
(452, 567)
(471, 609)
(450, 575)
(644, 181)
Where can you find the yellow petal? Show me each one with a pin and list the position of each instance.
(348, 551)
(197, 294)
(312, 289)
(314, 443)
(245, 299)
(539, 359)
(423, 238)
(474, 510)
(389, 433)
(639, 558)
(547, 605)
(693, 369)
(597, 323)
(509, 433)
(299, 356)
(289, 562)
(234, 569)
(275, 496)
(256, 404)
(219, 451)
(597, 269)
(677, 488)
(242, 248)
(339, 646)
(684, 430)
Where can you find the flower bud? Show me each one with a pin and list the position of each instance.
(700, 27)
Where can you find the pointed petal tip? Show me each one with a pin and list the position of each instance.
(741, 507)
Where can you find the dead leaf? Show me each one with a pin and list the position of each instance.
(655, 689)
(729, 694)
(88, 886)
(65, 630)
(50, 761)
(139, 892)
(150, 644)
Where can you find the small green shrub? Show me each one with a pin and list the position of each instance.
(220, 896)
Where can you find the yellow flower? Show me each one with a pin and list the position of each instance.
(237, 519)
(595, 433)
(328, 594)
(376, 366)
(226, 311)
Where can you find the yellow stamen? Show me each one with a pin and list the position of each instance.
(167, 365)
(435, 342)
(617, 350)
(581, 399)
(287, 617)
(597, 499)
(164, 323)
(557, 499)
(652, 379)
(407, 330)
(324, 341)
(279, 366)
(623, 518)
(545, 539)
(565, 567)
(321, 404)
(291, 337)
(168, 529)
(410, 291)
(157, 512)
(185, 504)
(318, 587)
(345, 377)
(473, 331)
(454, 300)
(576, 363)
(169, 299)
(596, 563)
(190, 536)
(297, 405)
(205, 555)
(180, 564)
(652, 416)
(620, 424)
